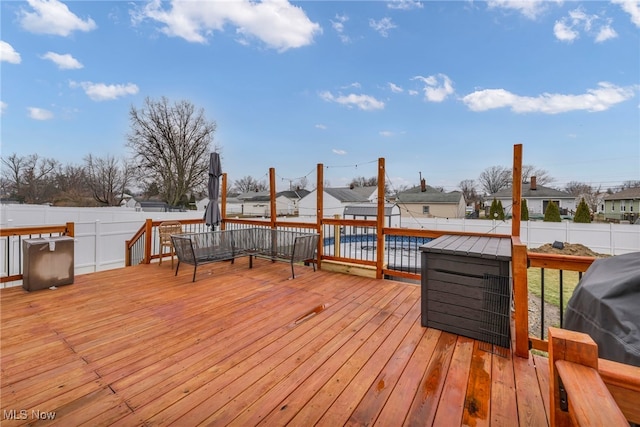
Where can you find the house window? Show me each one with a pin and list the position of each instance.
(613, 206)
(623, 206)
(425, 210)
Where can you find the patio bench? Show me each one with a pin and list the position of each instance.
(227, 245)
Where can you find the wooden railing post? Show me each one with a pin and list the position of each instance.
(320, 209)
(380, 220)
(70, 229)
(520, 296)
(336, 237)
(223, 202)
(127, 253)
(148, 230)
(272, 197)
(516, 201)
(582, 398)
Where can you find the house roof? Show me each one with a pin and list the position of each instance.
(626, 194)
(344, 194)
(263, 196)
(431, 195)
(294, 194)
(369, 209)
(365, 191)
(528, 193)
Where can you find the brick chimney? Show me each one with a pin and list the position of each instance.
(533, 183)
(423, 185)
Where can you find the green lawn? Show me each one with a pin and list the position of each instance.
(552, 285)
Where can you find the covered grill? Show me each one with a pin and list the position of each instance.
(606, 306)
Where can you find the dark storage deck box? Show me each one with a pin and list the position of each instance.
(456, 272)
(48, 261)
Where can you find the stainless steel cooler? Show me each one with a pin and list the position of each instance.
(47, 262)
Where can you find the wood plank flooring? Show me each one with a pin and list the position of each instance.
(138, 346)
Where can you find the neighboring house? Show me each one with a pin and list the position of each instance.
(151, 206)
(334, 201)
(425, 201)
(371, 193)
(259, 203)
(294, 197)
(623, 205)
(369, 211)
(538, 198)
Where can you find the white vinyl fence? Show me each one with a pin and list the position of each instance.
(100, 233)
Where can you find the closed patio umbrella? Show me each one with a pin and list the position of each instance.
(212, 215)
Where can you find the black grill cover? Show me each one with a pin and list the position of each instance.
(606, 306)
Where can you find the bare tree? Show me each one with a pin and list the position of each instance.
(542, 176)
(630, 184)
(30, 178)
(249, 183)
(494, 179)
(361, 181)
(72, 186)
(468, 189)
(171, 143)
(581, 190)
(107, 178)
(577, 189)
(301, 183)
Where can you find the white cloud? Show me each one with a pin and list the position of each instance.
(437, 88)
(569, 27)
(599, 99)
(363, 102)
(632, 7)
(339, 152)
(104, 92)
(386, 133)
(64, 62)
(40, 113)
(3, 107)
(277, 23)
(529, 8)
(320, 126)
(413, 92)
(53, 17)
(8, 54)
(355, 85)
(404, 4)
(338, 26)
(564, 32)
(395, 88)
(382, 26)
(606, 33)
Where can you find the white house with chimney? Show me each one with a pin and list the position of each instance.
(538, 198)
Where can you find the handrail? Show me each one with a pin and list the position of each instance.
(589, 401)
(67, 229)
(623, 381)
(578, 394)
(559, 262)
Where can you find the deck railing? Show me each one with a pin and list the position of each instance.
(551, 265)
(12, 238)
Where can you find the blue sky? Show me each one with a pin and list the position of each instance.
(439, 88)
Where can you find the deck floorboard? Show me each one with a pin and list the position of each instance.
(140, 346)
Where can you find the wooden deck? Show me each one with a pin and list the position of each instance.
(240, 346)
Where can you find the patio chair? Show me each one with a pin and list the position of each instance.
(166, 229)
